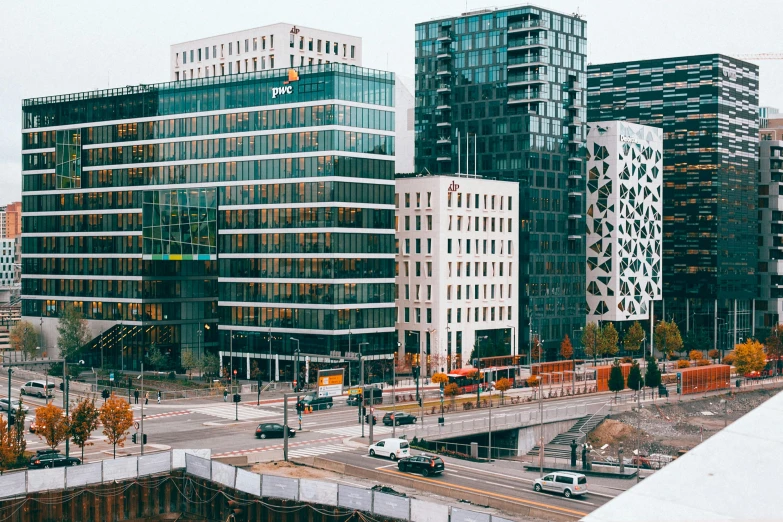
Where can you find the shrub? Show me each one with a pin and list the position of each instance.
(627, 359)
(729, 359)
(695, 355)
(682, 363)
(172, 376)
(703, 362)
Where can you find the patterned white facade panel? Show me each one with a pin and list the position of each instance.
(624, 219)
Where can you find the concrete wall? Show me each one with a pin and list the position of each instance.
(528, 437)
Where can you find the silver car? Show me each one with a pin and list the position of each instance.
(38, 388)
(14, 405)
(564, 482)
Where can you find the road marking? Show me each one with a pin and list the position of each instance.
(163, 415)
(489, 493)
(230, 412)
(275, 447)
(326, 449)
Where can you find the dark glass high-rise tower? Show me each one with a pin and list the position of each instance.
(250, 214)
(514, 79)
(707, 106)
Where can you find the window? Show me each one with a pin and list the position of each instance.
(310, 44)
(448, 246)
(271, 61)
(407, 247)
(292, 60)
(407, 291)
(429, 292)
(334, 47)
(407, 200)
(272, 42)
(429, 199)
(418, 315)
(418, 200)
(429, 246)
(263, 43)
(418, 246)
(301, 43)
(255, 44)
(429, 268)
(429, 222)
(230, 52)
(407, 314)
(319, 46)
(247, 45)
(191, 56)
(407, 222)
(199, 54)
(429, 315)
(291, 41)
(418, 222)
(353, 51)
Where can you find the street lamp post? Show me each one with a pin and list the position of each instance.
(296, 364)
(270, 354)
(361, 381)
(540, 415)
(418, 361)
(394, 389)
(349, 360)
(478, 370)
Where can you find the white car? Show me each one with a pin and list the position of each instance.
(14, 405)
(391, 448)
(38, 388)
(565, 482)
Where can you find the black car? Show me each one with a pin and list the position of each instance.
(52, 459)
(272, 429)
(425, 464)
(398, 417)
(317, 403)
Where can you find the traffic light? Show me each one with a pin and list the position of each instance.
(415, 369)
(299, 406)
(420, 402)
(105, 394)
(475, 363)
(133, 438)
(441, 394)
(144, 438)
(237, 397)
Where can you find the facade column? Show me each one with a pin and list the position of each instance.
(735, 323)
(687, 315)
(753, 318)
(715, 326)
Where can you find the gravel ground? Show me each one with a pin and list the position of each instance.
(669, 427)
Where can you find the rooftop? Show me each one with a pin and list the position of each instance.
(733, 475)
(259, 28)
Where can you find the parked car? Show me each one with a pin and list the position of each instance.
(317, 403)
(270, 430)
(398, 417)
(52, 459)
(564, 482)
(38, 388)
(391, 448)
(425, 464)
(14, 405)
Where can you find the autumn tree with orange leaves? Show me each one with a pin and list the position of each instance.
(117, 418)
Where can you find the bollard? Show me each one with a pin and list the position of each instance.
(474, 450)
(620, 458)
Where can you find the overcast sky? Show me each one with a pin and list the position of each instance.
(51, 47)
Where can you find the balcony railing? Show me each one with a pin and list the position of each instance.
(528, 25)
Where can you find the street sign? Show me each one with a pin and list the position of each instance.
(136, 425)
(330, 382)
(111, 377)
(351, 355)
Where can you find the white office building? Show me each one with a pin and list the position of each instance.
(624, 220)
(457, 267)
(273, 46)
(7, 260)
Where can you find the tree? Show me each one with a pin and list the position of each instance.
(566, 350)
(535, 349)
(117, 418)
(714, 354)
(451, 390)
(635, 381)
(52, 425)
(72, 330)
(749, 357)
(209, 365)
(774, 345)
(633, 338)
(695, 341)
(683, 363)
(616, 379)
(10, 452)
(439, 378)
(489, 348)
(84, 420)
(156, 359)
(502, 385)
(695, 355)
(607, 341)
(652, 377)
(590, 336)
(729, 359)
(24, 338)
(668, 338)
(190, 362)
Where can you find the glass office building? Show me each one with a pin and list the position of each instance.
(707, 106)
(228, 214)
(512, 80)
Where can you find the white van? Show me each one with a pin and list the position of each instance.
(392, 448)
(38, 388)
(564, 482)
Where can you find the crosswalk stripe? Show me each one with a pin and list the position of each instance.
(355, 431)
(317, 450)
(229, 412)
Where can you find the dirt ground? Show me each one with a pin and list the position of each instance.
(288, 469)
(669, 427)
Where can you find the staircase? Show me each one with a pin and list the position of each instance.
(560, 446)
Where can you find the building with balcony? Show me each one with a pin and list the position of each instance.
(457, 268)
(268, 47)
(624, 220)
(769, 308)
(707, 107)
(246, 214)
(511, 80)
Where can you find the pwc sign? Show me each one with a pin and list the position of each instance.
(287, 88)
(453, 187)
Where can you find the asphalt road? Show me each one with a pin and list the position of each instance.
(506, 480)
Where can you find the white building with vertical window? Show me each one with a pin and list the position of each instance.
(273, 46)
(457, 267)
(7, 260)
